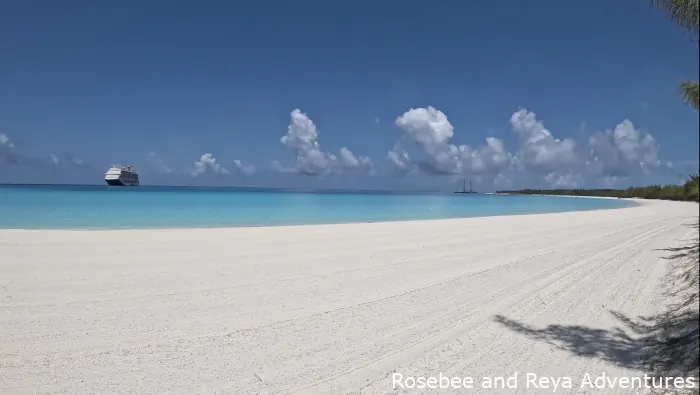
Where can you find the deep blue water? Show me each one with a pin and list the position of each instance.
(64, 206)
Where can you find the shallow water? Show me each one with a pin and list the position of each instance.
(43, 207)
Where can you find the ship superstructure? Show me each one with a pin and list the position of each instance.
(118, 175)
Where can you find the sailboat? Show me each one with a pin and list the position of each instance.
(464, 188)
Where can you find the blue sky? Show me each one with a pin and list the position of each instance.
(159, 84)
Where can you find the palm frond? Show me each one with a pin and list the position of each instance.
(682, 12)
(689, 93)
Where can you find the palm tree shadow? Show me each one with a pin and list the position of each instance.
(616, 346)
(667, 344)
(662, 346)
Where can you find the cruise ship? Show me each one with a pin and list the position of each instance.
(122, 176)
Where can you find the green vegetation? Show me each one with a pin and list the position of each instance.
(684, 13)
(687, 192)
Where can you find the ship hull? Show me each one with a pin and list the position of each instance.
(120, 183)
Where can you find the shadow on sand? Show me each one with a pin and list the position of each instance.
(661, 346)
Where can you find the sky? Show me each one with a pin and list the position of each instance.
(357, 95)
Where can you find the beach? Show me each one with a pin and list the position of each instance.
(331, 309)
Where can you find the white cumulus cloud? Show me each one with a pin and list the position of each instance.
(207, 164)
(538, 150)
(430, 131)
(623, 151)
(427, 126)
(248, 170)
(5, 141)
(400, 160)
(302, 137)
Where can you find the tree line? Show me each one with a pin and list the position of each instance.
(688, 191)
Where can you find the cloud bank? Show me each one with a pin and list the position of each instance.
(425, 149)
(539, 156)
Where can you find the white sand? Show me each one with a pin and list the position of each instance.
(329, 309)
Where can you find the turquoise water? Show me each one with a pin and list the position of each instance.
(72, 207)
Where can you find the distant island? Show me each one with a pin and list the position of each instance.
(686, 192)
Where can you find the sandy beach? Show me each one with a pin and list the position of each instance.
(331, 309)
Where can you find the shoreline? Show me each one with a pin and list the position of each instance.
(637, 202)
(332, 308)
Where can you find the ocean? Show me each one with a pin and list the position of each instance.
(103, 207)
